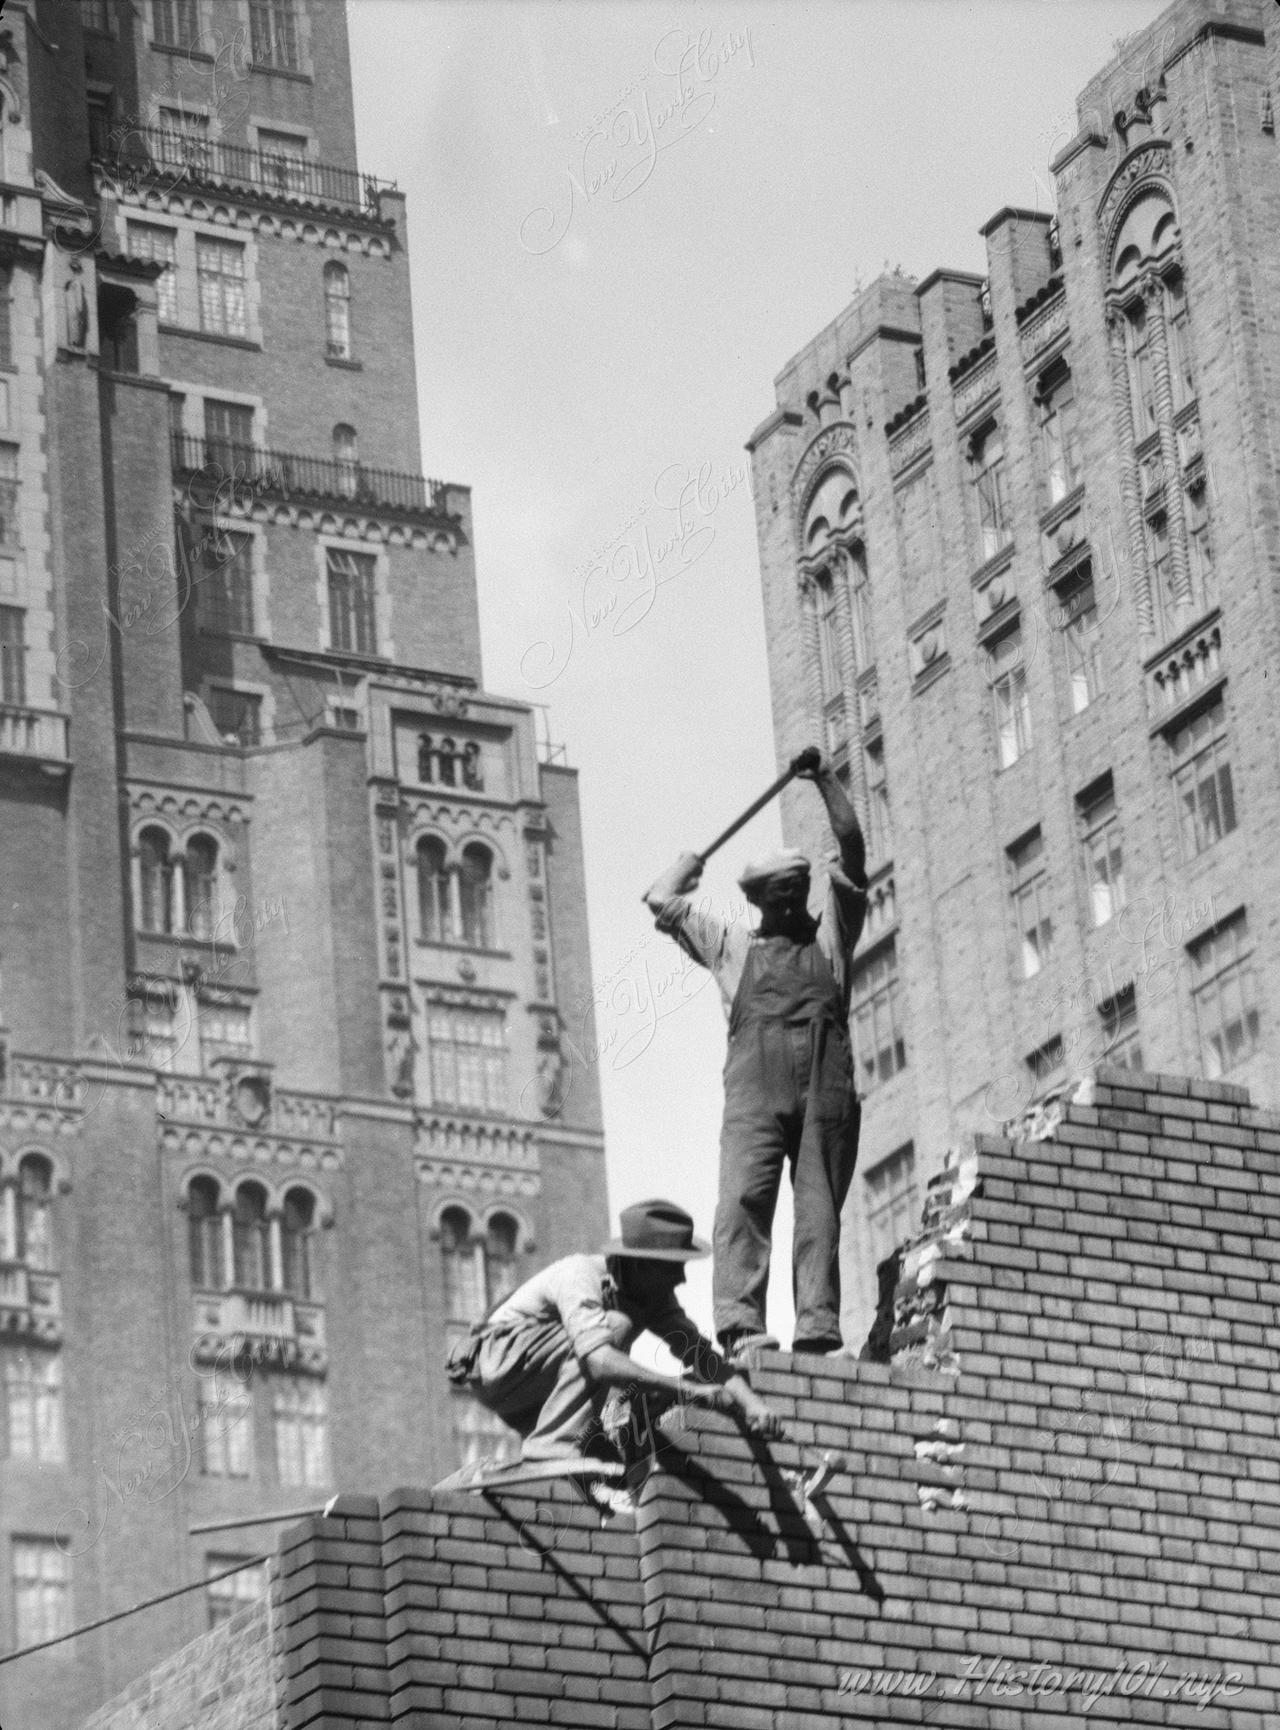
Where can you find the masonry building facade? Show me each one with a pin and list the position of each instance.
(292, 904)
(1018, 544)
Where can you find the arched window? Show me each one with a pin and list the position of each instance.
(447, 763)
(464, 1298)
(200, 885)
(435, 913)
(204, 1235)
(250, 1239)
(475, 889)
(426, 754)
(35, 1196)
(501, 1257)
(472, 774)
(297, 1225)
(337, 312)
(346, 456)
(157, 881)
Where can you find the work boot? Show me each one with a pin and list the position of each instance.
(736, 1345)
(823, 1348)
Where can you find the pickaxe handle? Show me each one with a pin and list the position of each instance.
(808, 759)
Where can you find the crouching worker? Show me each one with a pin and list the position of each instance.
(546, 1358)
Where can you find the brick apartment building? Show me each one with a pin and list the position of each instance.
(1019, 542)
(290, 900)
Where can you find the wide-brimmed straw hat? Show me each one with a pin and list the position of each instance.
(657, 1231)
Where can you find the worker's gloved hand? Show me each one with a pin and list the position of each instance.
(808, 765)
(759, 1418)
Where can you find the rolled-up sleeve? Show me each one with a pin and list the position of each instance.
(579, 1298)
(680, 1334)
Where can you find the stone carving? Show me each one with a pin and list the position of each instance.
(1039, 332)
(1148, 163)
(979, 384)
(838, 439)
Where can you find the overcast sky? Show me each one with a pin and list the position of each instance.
(624, 219)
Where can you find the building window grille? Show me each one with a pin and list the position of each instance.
(468, 1057)
(220, 272)
(987, 455)
(297, 1240)
(226, 583)
(892, 1202)
(176, 23)
(1029, 894)
(157, 871)
(1103, 852)
(33, 1406)
(226, 1432)
(1225, 989)
(283, 161)
(237, 715)
(1060, 431)
(1119, 1018)
(225, 1596)
(1202, 779)
(435, 910)
(13, 656)
(251, 1239)
(302, 1434)
(1082, 640)
(273, 30)
(351, 601)
(200, 886)
(880, 1049)
(228, 434)
(1010, 699)
(475, 895)
(337, 311)
(41, 1590)
(10, 530)
(160, 246)
(205, 1236)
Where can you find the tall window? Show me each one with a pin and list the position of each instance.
(346, 455)
(228, 432)
(1225, 989)
(13, 656)
(1159, 557)
(1047, 1065)
(987, 457)
(828, 635)
(337, 311)
(1203, 579)
(1103, 853)
(200, 885)
(1175, 312)
(156, 870)
(220, 274)
(204, 1235)
(880, 833)
(251, 1239)
(892, 1206)
(1202, 779)
(1119, 1019)
(1083, 643)
(297, 1236)
(1029, 893)
(435, 913)
(176, 23)
(1010, 699)
(226, 1030)
(35, 1212)
(226, 582)
(880, 1048)
(283, 160)
(1142, 388)
(10, 526)
(475, 893)
(232, 1592)
(302, 1433)
(160, 246)
(41, 1590)
(351, 601)
(468, 1057)
(226, 1431)
(463, 1267)
(1060, 431)
(501, 1258)
(273, 28)
(33, 1406)
(236, 714)
(6, 315)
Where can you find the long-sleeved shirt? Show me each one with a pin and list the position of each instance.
(581, 1294)
(721, 945)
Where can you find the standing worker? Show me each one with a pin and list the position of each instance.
(788, 1080)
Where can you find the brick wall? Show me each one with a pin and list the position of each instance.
(1068, 1465)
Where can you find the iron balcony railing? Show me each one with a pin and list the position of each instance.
(152, 153)
(237, 468)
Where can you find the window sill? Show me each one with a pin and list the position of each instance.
(281, 72)
(342, 362)
(931, 674)
(186, 940)
(247, 342)
(188, 53)
(462, 949)
(1053, 514)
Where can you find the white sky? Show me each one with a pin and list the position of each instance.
(583, 352)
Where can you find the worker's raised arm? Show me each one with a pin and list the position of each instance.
(682, 878)
(844, 822)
